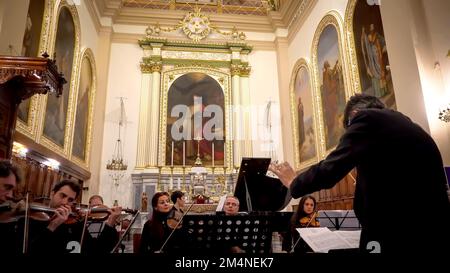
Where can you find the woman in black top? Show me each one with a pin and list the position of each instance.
(155, 230)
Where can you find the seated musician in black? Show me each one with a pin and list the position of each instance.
(59, 236)
(231, 208)
(303, 217)
(156, 230)
(10, 176)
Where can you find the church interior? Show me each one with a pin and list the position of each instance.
(133, 97)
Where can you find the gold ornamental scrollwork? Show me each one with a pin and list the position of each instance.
(196, 26)
(242, 70)
(152, 66)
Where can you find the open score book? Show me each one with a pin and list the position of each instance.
(322, 239)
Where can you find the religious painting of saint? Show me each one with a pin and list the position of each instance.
(195, 101)
(82, 110)
(56, 111)
(304, 110)
(30, 45)
(370, 46)
(331, 82)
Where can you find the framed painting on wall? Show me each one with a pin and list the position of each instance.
(302, 111)
(330, 79)
(56, 113)
(198, 92)
(370, 60)
(84, 109)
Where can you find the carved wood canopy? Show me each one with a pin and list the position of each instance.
(31, 75)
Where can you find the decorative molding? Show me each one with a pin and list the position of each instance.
(299, 18)
(223, 79)
(86, 53)
(68, 130)
(151, 66)
(29, 128)
(196, 26)
(331, 18)
(302, 63)
(241, 70)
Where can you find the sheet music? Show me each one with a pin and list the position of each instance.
(323, 239)
(351, 237)
(221, 203)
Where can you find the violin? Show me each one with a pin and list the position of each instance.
(174, 218)
(13, 211)
(309, 221)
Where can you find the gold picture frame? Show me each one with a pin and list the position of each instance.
(302, 66)
(356, 81)
(86, 56)
(223, 79)
(334, 19)
(63, 150)
(35, 109)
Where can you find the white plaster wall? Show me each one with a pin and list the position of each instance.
(13, 15)
(89, 36)
(264, 88)
(124, 81)
(414, 46)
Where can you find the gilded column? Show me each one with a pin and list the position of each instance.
(246, 143)
(236, 107)
(143, 118)
(143, 112)
(153, 123)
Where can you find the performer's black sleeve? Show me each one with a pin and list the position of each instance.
(338, 163)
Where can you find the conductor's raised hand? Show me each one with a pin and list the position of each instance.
(284, 172)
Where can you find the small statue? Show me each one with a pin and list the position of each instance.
(144, 202)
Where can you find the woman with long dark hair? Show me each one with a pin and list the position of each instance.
(155, 230)
(303, 217)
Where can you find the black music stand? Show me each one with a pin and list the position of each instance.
(338, 219)
(256, 191)
(220, 234)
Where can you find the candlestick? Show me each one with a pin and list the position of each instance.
(213, 154)
(171, 159)
(179, 183)
(184, 153)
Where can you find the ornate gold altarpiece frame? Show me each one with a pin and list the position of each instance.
(165, 59)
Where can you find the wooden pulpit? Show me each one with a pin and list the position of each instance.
(21, 78)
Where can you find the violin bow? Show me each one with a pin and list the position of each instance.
(26, 224)
(299, 237)
(84, 227)
(175, 228)
(126, 231)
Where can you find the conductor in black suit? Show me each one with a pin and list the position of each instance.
(400, 195)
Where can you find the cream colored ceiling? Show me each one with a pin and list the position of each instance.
(243, 7)
(247, 15)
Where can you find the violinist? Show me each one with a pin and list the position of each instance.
(95, 227)
(156, 230)
(178, 201)
(304, 217)
(176, 212)
(58, 236)
(10, 176)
